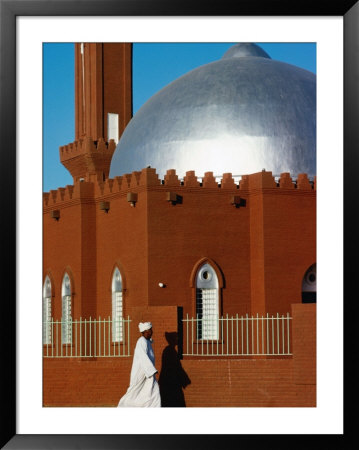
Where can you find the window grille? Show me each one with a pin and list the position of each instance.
(207, 303)
(117, 316)
(46, 312)
(66, 320)
(207, 311)
(66, 331)
(117, 307)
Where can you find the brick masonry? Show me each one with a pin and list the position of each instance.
(262, 249)
(192, 382)
(259, 235)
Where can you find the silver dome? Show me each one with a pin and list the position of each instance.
(241, 114)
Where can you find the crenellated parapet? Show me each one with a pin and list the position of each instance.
(137, 179)
(88, 159)
(59, 196)
(285, 181)
(190, 180)
(303, 182)
(171, 178)
(228, 182)
(71, 194)
(147, 178)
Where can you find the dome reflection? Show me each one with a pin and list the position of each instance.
(241, 114)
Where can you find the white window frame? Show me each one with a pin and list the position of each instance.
(66, 319)
(113, 127)
(207, 303)
(117, 306)
(46, 312)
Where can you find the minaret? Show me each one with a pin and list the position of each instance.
(103, 107)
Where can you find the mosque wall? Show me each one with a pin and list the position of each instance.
(261, 246)
(63, 254)
(289, 232)
(260, 238)
(287, 381)
(203, 225)
(122, 242)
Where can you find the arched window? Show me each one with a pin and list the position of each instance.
(46, 312)
(309, 285)
(117, 307)
(66, 320)
(207, 302)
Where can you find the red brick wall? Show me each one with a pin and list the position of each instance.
(117, 94)
(283, 241)
(262, 249)
(62, 252)
(107, 87)
(290, 246)
(75, 382)
(287, 381)
(304, 344)
(70, 246)
(103, 381)
(204, 225)
(245, 382)
(122, 241)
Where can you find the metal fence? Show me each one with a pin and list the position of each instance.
(238, 336)
(86, 338)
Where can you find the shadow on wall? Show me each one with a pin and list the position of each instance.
(173, 378)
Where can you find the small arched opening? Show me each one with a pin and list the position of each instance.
(66, 319)
(309, 285)
(46, 311)
(117, 306)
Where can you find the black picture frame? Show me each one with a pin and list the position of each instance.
(9, 10)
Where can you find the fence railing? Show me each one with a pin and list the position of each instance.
(86, 338)
(237, 336)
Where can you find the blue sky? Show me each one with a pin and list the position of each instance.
(154, 66)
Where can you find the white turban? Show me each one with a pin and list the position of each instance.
(144, 326)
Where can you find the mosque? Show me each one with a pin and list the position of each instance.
(197, 214)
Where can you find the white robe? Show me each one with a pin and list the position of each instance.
(144, 390)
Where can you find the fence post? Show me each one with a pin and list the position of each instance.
(288, 348)
(128, 340)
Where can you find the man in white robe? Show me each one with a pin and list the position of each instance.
(143, 390)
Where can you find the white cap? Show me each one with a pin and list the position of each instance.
(144, 326)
